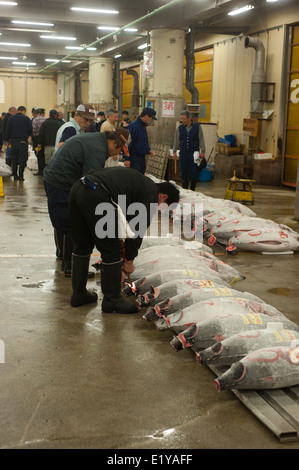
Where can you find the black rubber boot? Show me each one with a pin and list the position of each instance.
(58, 237)
(81, 296)
(67, 254)
(193, 185)
(21, 171)
(14, 168)
(185, 184)
(113, 300)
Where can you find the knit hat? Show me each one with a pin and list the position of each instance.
(53, 113)
(122, 133)
(87, 111)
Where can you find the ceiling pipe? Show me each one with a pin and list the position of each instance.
(135, 92)
(99, 40)
(190, 66)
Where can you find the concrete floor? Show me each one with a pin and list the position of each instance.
(80, 379)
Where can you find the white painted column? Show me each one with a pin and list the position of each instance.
(167, 82)
(100, 82)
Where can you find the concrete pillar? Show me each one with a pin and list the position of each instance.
(100, 82)
(166, 85)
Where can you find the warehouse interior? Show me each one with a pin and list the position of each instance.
(82, 379)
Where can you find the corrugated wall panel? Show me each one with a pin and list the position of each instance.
(292, 124)
(127, 88)
(203, 76)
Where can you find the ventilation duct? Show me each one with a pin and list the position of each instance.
(116, 84)
(190, 67)
(77, 88)
(135, 93)
(259, 75)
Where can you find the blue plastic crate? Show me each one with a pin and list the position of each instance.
(205, 175)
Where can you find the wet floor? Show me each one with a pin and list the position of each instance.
(78, 378)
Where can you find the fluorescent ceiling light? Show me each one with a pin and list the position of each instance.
(240, 10)
(28, 30)
(271, 1)
(8, 3)
(14, 44)
(117, 56)
(57, 60)
(24, 63)
(58, 37)
(108, 28)
(95, 10)
(115, 28)
(143, 46)
(79, 48)
(8, 58)
(32, 23)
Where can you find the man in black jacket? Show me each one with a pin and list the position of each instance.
(47, 135)
(11, 112)
(97, 202)
(18, 129)
(77, 156)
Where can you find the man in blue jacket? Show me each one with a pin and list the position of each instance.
(139, 146)
(18, 129)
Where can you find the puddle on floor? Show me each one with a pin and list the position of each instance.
(280, 291)
(45, 286)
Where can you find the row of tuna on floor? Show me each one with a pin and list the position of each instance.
(254, 344)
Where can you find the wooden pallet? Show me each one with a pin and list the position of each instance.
(277, 409)
(156, 165)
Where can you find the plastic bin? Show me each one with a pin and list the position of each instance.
(205, 175)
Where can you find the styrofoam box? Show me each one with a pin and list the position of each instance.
(262, 156)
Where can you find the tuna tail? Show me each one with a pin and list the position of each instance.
(212, 239)
(150, 314)
(132, 289)
(147, 299)
(184, 340)
(204, 357)
(231, 377)
(230, 247)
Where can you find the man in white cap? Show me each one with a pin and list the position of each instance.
(85, 114)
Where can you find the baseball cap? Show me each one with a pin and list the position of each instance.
(150, 112)
(53, 113)
(87, 111)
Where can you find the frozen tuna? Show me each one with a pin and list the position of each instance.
(149, 242)
(206, 333)
(154, 260)
(175, 287)
(241, 344)
(181, 301)
(225, 230)
(217, 307)
(144, 284)
(265, 241)
(267, 368)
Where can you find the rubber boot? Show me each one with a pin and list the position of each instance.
(81, 296)
(14, 167)
(113, 300)
(67, 254)
(21, 171)
(58, 237)
(193, 185)
(185, 184)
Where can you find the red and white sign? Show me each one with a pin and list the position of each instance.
(168, 108)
